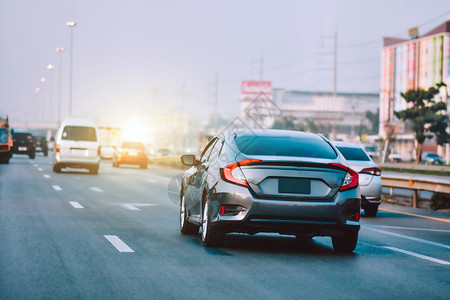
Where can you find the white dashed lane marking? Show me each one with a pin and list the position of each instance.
(57, 188)
(429, 258)
(96, 189)
(47, 176)
(75, 204)
(135, 206)
(130, 207)
(118, 243)
(40, 169)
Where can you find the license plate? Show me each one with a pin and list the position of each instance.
(294, 186)
(22, 148)
(79, 152)
(132, 153)
(38, 148)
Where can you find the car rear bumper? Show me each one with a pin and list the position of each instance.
(76, 162)
(132, 160)
(311, 218)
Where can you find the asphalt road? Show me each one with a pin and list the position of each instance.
(116, 236)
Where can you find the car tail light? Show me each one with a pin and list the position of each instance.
(351, 178)
(355, 217)
(58, 148)
(99, 151)
(371, 171)
(232, 173)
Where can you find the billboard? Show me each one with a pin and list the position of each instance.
(256, 90)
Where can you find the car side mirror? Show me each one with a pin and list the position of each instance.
(189, 160)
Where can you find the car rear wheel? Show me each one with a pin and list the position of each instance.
(185, 226)
(371, 211)
(32, 155)
(345, 243)
(143, 166)
(56, 169)
(94, 170)
(210, 236)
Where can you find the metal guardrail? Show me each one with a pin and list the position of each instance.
(414, 184)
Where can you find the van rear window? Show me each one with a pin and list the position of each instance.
(79, 133)
(3, 135)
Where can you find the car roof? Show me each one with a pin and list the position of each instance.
(345, 144)
(273, 133)
(78, 121)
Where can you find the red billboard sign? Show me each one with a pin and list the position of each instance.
(252, 90)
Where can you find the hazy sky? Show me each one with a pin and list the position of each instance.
(134, 56)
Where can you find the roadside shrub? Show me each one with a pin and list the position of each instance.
(440, 201)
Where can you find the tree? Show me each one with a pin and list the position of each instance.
(425, 115)
(374, 119)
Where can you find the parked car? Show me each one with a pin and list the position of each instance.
(77, 145)
(369, 175)
(131, 153)
(288, 182)
(395, 157)
(23, 143)
(41, 145)
(430, 158)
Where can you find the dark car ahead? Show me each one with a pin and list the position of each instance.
(41, 145)
(286, 182)
(131, 153)
(23, 143)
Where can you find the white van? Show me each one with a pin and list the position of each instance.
(77, 145)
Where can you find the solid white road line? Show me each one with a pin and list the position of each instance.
(57, 188)
(40, 169)
(75, 204)
(439, 261)
(408, 228)
(47, 176)
(118, 243)
(150, 180)
(410, 238)
(96, 189)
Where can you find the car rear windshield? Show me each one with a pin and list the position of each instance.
(3, 135)
(306, 146)
(79, 133)
(22, 136)
(352, 153)
(133, 145)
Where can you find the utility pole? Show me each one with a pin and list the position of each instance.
(216, 102)
(335, 66)
(335, 82)
(261, 71)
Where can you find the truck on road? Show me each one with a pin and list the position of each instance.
(6, 142)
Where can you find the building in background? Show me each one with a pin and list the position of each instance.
(420, 62)
(341, 117)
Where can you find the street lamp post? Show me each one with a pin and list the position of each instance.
(60, 50)
(50, 67)
(43, 104)
(71, 24)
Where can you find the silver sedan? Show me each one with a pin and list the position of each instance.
(369, 175)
